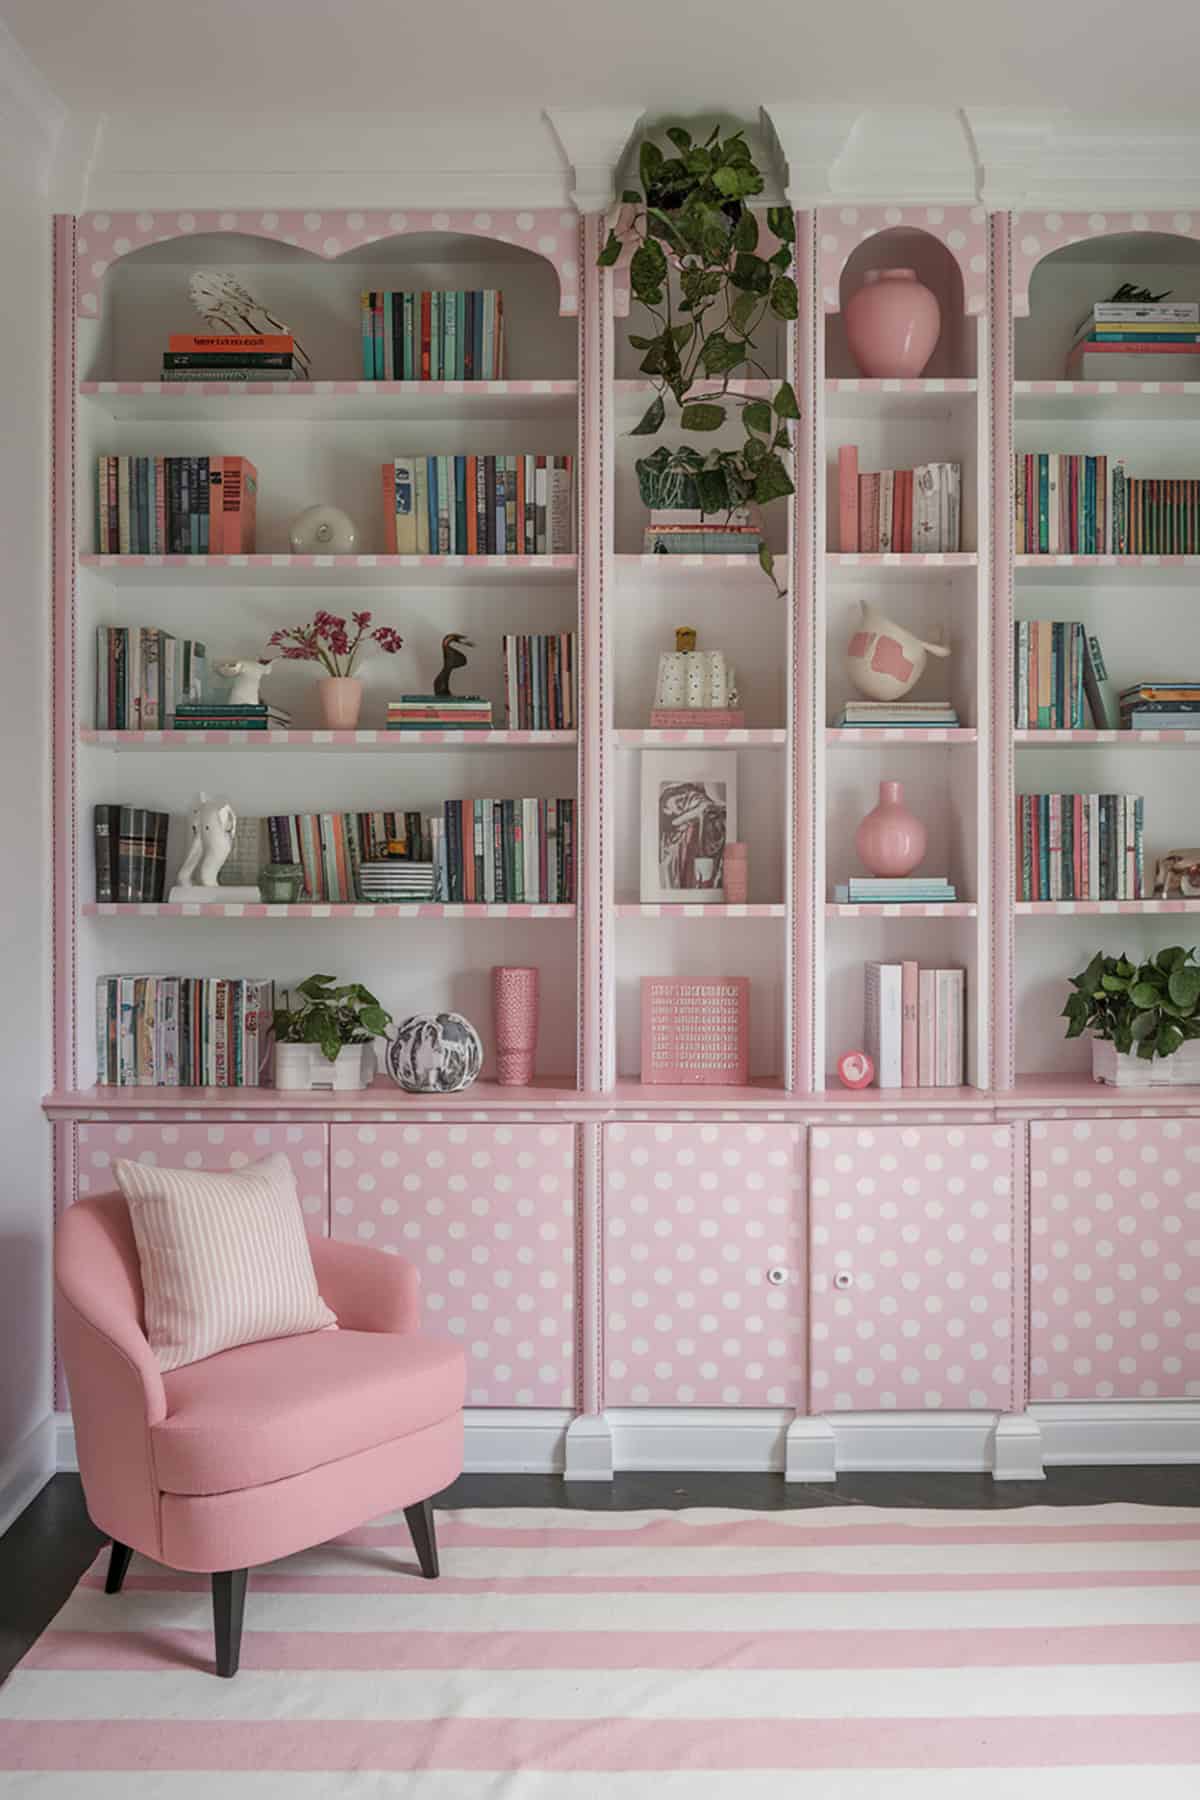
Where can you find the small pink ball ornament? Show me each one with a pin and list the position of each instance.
(855, 1069)
(891, 840)
(892, 323)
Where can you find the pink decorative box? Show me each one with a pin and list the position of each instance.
(696, 1033)
(697, 718)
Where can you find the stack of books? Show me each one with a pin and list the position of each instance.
(893, 890)
(142, 675)
(182, 1031)
(1059, 666)
(331, 847)
(518, 505)
(1079, 847)
(131, 854)
(261, 356)
(452, 335)
(1155, 515)
(899, 511)
(439, 712)
(1161, 706)
(176, 505)
(216, 715)
(915, 1023)
(396, 879)
(683, 531)
(539, 681)
(507, 850)
(1063, 504)
(868, 714)
(1137, 341)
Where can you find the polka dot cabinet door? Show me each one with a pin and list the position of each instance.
(486, 1212)
(912, 1290)
(703, 1265)
(191, 1145)
(1114, 1266)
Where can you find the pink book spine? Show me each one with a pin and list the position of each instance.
(216, 519)
(927, 1029)
(848, 497)
(909, 1003)
(868, 512)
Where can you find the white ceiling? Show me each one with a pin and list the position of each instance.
(304, 57)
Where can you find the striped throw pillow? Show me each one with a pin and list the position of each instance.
(224, 1256)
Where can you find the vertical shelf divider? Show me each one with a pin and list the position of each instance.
(806, 873)
(1001, 742)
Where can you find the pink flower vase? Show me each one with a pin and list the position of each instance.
(892, 323)
(891, 840)
(737, 874)
(340, 698)
(515, 1019)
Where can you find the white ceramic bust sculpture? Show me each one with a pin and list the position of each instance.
(247, 678)
(214, 824)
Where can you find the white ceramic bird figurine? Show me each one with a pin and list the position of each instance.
(222, 300)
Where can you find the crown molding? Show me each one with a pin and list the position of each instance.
(593, 141)
(909, 153)
(1080, 163)
(31, 114)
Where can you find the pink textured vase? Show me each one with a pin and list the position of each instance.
(890, 840)
(341, 701)
(515, 1019)
(892, 323)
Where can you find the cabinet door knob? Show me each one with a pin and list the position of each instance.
(777, 1276)
(843, 1279)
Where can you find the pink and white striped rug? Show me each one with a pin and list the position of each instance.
(705, 1655)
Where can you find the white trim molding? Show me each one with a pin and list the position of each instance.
(1038, 160)
(1119, 1431)
(593, 140)
(25, 1471)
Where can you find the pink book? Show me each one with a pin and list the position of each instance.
(868, 512)
(909, 1003)
(927, 1029)
(848, 497)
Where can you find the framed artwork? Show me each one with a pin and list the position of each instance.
(689, 814)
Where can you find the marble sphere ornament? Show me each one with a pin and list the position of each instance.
(435, 1053)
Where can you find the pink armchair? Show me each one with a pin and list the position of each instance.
(264, 1450)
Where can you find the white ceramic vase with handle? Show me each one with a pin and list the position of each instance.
(885, 660)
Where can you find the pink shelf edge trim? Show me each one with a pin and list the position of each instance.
(334, 909)
(372, 738)
(310, 390)
(280, 560)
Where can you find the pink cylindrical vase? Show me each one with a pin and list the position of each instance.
(515, 1020)
(891, 840)
(892, 323)
(340, 698)
(737, 874)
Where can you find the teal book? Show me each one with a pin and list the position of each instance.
(389, 361)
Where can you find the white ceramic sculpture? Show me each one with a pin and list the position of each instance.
(885, 660)
(695, 678)
(221, 300)
(214, 824)
(247, 678)
(323, 530)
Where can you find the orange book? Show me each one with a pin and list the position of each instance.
(389, 508)
(232, 506)
(255, 344)
(472, 507)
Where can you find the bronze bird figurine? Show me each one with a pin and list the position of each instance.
(452, 658)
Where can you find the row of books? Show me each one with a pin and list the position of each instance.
(1155, 515)
(890, 714)
(1062, 504)
(686, 531)
(1055, 670)
(439, 712)
(1079, 847)
(514, 505)
(261, 356)
(1161, 706)
(182, 1031)
(482, 850)
(440, 335)
(176, 505)
(216, 715)
(143, 675)
(539, 681)
(915, 1023)
(901, 511)
(1136, 341)
(131, 854)
(895, 890)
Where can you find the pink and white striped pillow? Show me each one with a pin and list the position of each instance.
(225, 1259)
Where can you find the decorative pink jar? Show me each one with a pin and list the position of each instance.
(892, 323)
(891, 840)
(340, 698)
(515, 1018)
(737, 874)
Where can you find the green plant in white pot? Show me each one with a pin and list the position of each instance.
(325, 1040)
(1143, 1018)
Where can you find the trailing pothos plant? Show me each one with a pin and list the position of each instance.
(331, 1017)
(1146, 1009)
(698, 271)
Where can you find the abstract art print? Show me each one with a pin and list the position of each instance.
(689, 814)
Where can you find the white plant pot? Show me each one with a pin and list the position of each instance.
(351, 1068)
(1180, 1070)
(293, 1066)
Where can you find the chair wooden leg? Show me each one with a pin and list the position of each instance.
(229, 1605)
(424, 1536)
(118, 1562)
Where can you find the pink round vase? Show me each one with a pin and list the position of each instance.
(892, 323)
(515, 1016)
(340, 698)
(890, 840)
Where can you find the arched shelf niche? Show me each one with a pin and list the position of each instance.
(1063, 263)
(946, 246)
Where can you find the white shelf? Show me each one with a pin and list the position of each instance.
(854, 398)
(1126, 740)
(300, 742)
(902, 735)
(1088, 908)
(326, 571)
(683, 910)
(675, 567)
(908, 909)
(873, 562)
(343, 911)
(1081, 570)
(1107, 399)
(240, 402)
(743, 737)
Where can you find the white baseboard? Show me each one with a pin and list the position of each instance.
(1120, 1431)
(729, 1438)
(912, 1442)
(589, 1448)
(25, 1471)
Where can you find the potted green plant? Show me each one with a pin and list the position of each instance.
(1143, 1018)
(699, 270)
(339, 1022)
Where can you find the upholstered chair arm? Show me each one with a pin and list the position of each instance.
(369, 1290)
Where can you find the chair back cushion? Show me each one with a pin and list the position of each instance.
(224, 1257)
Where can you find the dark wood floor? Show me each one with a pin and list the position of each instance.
(54, 1541)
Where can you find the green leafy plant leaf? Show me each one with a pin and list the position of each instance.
(785, 402)
(785, 302)
(721, 354)
(647, 272)
(745, 232)
(772, 481)
(702, 415)
(651, 420)
(681, 138)
(758, 416)
(751, 274)
(781, 221)
(766, 561)
(650, 161)
(1184, 987)
(611, 252)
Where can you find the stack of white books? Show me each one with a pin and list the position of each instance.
(915, 1024)
(893, 714)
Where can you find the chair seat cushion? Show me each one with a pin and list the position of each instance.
(266, 1411)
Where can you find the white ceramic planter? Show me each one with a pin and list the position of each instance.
(293, 1066)
(1180, 1070)
(302, 1067)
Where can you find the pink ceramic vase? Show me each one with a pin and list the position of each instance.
(515, 1017)
(890, 840)
(892, 323)
(340, 697)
